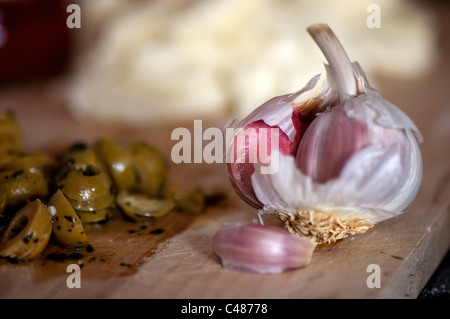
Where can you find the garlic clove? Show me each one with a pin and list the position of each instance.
(261, 249)
(245, 149)
(246, 153)
(328, 143)
(339, 132)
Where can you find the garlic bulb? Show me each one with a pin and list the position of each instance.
(346, 159)
(261, 249)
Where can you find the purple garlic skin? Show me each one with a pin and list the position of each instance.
(261, 249)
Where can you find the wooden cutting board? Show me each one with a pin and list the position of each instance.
(172, 257)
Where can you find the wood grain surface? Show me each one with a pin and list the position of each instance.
(131, 260)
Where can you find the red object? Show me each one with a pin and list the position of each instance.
(34, 39)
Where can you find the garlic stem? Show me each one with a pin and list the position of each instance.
(337, 58)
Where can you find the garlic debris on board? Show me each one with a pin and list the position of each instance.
(346, 159)
(261, 248)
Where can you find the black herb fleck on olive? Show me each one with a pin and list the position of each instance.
(63, 176)
(17, 174)
(69, 218)
(27, 238)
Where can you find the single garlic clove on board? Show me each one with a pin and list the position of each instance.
(261, 249)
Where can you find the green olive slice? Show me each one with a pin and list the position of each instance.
(143, 207)
(97, 216)
(81, 153)
(192, 201)
(149, 167)
(67, 227)
(10, 144)
(85, 184)
(94, 204)
(21, 185)
(118, 162)
(81, 157)
(35, 162)
(28, 232)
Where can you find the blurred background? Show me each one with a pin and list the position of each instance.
(153, 61)
(148, 62)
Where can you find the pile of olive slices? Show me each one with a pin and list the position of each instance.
(43, 197)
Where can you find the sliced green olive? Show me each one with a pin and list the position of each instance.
(82, 156)
(212, 194)
(118, 162)
(94, 204)
(37, 162)
(85, 184)
(192, 201)
(97, 216)
(67, 227)
(21, 186)
(142, 207)
(10, 144)
(149, 167)
(78, 149)
(28, 232)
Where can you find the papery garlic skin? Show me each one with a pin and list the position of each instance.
(261, 249)
(357, 162)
